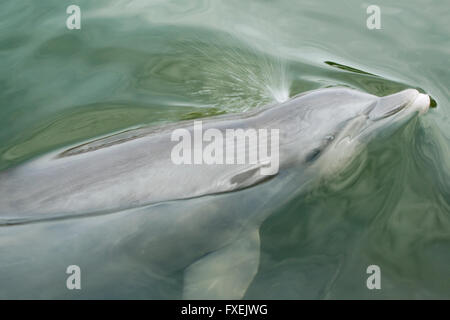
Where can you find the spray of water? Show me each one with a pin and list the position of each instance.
(237, 77)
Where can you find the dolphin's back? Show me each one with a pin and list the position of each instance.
(111, 174)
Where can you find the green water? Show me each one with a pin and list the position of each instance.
(136, 63)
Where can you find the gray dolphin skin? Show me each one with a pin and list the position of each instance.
(140, 225)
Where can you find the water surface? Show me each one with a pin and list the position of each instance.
(139, 63)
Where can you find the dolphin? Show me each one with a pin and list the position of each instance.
(139, 225)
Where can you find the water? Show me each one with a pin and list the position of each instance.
(136, 63)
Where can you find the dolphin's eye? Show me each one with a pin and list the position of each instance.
(313, 155)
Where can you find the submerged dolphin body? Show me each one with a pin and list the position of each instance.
(166, 218)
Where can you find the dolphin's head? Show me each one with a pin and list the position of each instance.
(338, 122)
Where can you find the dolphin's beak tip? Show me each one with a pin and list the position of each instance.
(422, 103)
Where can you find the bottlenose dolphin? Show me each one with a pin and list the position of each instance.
(131, 218)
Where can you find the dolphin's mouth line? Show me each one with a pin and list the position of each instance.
(374, 116)
(393, 111)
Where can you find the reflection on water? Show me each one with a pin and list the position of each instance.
(139, 63)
